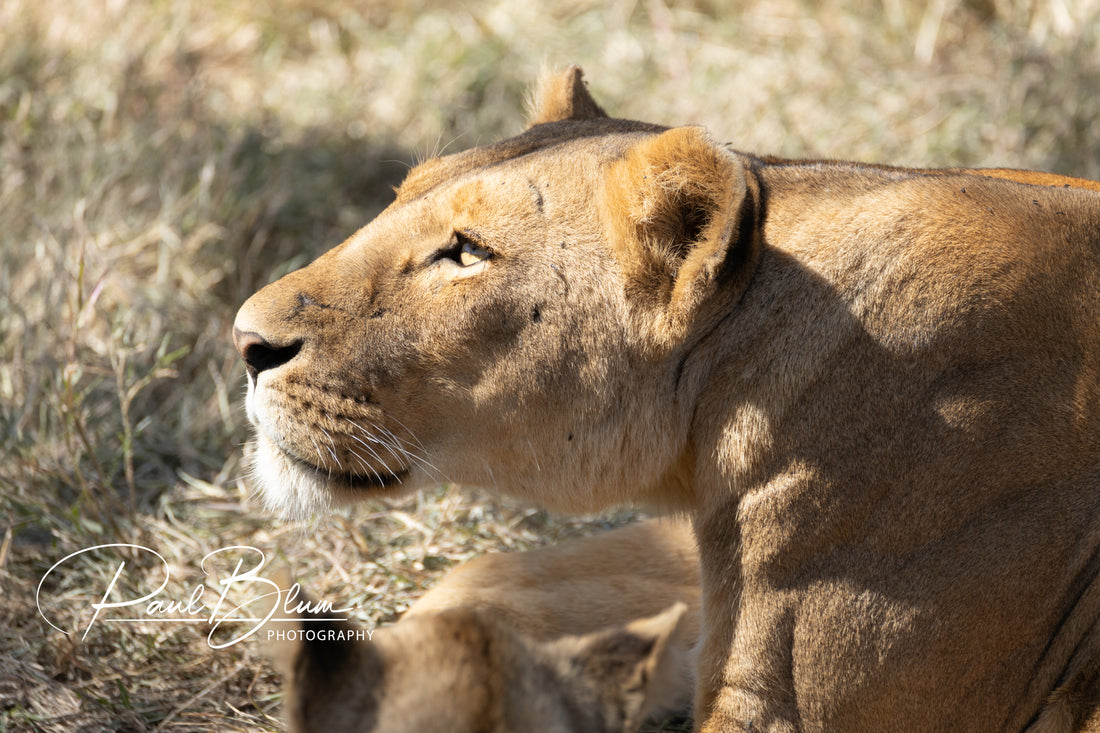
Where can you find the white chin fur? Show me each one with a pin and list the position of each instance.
(286, 487)
(250, 401)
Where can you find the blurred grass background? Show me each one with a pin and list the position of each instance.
(162, 159)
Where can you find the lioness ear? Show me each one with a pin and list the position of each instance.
(675, 206)
(621, 663)
(563, 96)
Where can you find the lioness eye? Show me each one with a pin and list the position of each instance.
(471, 253)
(463, 251)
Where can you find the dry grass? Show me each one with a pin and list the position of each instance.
(161, 160)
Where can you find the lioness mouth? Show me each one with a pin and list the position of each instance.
(374, 481)
(380, 479)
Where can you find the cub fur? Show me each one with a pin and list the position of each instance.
(876, 391)
(564, 638)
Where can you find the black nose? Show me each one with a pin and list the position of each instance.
(259, 354)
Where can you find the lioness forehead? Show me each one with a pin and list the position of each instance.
(604, 137)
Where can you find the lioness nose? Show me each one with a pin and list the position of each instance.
(259, 354)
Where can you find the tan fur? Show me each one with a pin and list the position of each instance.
(877, 390)
(564, 638)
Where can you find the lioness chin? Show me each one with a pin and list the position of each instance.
(876, 390)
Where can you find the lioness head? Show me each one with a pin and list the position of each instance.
(462, 669)
(519, 318)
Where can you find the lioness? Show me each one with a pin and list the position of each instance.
(547, 640)
(877, 390)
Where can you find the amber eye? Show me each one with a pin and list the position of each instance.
(464, 252)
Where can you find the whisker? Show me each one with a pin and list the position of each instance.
(401, 445)
(320, 454)
(362, 442)
(404, 457)
(366, 467)
(405, 453)
(331, 448)
(378, 441)
(492, 476)
(534, 454)
(430, 467)
(424, 463)
(402, 454)
(359, 459)
(406, 429)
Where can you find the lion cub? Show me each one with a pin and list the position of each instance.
(594, 634)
